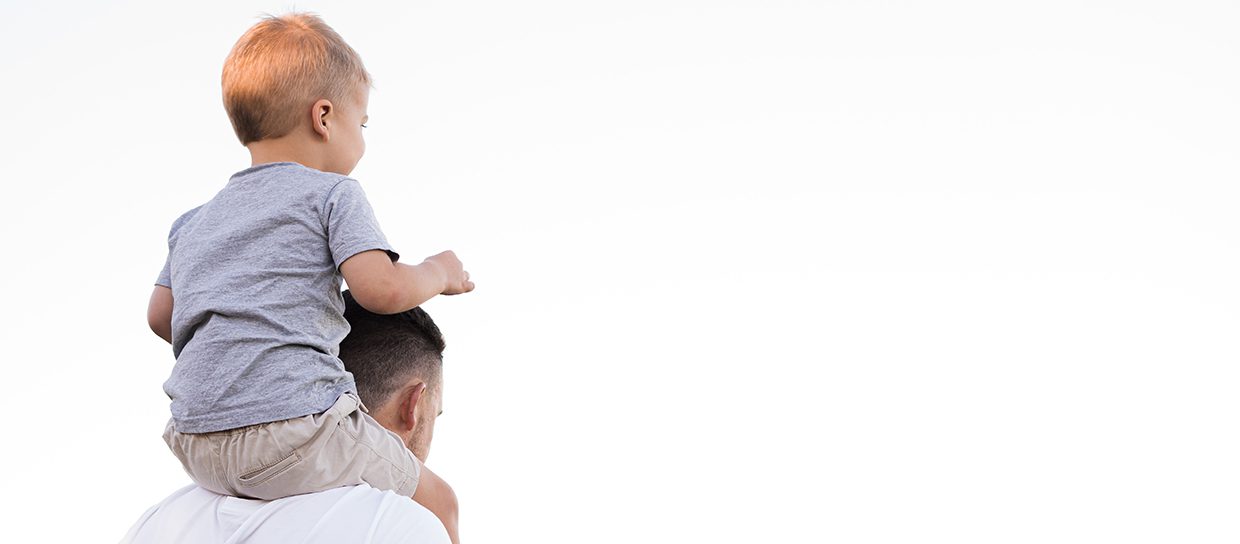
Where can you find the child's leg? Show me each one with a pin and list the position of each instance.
(391, 466)
(197, 456)
(301, 455)
(437, 496)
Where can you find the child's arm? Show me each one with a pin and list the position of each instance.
(438, 497)
(385, 287)
(159, 312)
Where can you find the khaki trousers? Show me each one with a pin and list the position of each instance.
(340, 447)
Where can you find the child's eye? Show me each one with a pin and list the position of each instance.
(363, 126)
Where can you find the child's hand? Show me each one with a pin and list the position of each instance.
(456, 279)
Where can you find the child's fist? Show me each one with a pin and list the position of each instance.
(456, 279)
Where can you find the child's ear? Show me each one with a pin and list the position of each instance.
(320, 114)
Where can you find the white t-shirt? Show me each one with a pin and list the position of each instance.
(361, 514)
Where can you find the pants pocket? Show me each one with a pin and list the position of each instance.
(265, 473)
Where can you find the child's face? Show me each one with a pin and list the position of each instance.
(347, 142)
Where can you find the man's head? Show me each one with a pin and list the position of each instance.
(397, 362)
(292, 76)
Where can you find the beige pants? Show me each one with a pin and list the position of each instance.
(342, 446)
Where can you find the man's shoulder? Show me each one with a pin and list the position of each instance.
(347, 514)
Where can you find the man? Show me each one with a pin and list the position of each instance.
(396, 361)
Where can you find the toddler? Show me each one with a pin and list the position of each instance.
(250, 295)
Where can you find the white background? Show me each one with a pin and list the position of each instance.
(747, 271)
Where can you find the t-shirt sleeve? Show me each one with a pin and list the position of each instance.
(351, 224)
(165, 275)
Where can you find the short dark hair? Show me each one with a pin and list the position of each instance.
(384, 352)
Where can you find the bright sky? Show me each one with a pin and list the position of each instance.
(747, 271)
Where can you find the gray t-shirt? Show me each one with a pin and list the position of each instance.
(258, 316)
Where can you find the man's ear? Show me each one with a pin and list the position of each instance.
(409, 405)
(320, 114)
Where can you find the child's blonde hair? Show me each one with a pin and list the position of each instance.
(280, 67)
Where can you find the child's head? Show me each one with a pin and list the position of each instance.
(280, 73)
